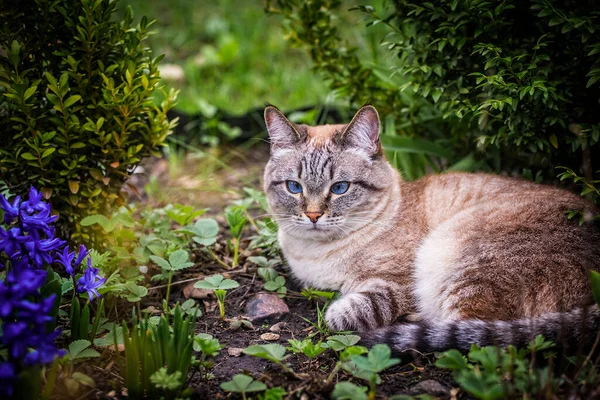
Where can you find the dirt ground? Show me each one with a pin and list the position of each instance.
(213, 181)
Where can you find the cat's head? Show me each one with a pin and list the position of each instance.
(324, 182)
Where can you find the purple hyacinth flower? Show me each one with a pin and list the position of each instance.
(34, 202)
(25, 281)
(36, 313)
(38, 222)
(6, 297)
(39, 251)
(83, 253)
(66, 259)
(11, 211)
(16, 333)
(45, 351)
(10, 240)
(7, 378)
(90, 282)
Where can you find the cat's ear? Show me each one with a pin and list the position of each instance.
(282, 132)
(363, 131)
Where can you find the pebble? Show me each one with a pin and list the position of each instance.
(266, 306)
(277, 327)
(234, 351)
(190, 292)
(269, 336)
(431, 387)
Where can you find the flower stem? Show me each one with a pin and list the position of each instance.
(217, 259)
(169, 285)
(236, 252)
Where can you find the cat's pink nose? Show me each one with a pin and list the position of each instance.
(313, 215)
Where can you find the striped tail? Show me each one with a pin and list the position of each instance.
(573, 329)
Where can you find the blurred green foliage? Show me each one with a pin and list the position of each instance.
(226, 56)
(77, 113)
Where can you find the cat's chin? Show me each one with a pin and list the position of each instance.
(318, 233)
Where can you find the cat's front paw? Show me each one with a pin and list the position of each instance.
(358, 312)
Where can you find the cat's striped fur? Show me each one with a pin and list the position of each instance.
(461, 258)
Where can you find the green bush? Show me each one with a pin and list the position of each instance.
(517, 81)
(77, 112)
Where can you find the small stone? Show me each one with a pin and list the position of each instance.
(304, 396)
(431, 387)
(190, 292)
(266, 306)
(234, 351)
(277, 327)
(269, 336)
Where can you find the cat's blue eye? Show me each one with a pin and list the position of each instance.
(340, 187)
(294, 187)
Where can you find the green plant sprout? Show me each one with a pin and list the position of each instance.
(273, 281)
(181, 214)
(204, 232)
(178, 260)
(189, 307)
(349, 391)
(266, 237)
(368, 368)
(306, 347)
(219, 286)
(165, 381)
(321, 324)
(274, 393)
(345, 347)
(209, 347)
(311, 294)
(243, 384)
(273, 352)
(493, 373)
(236, 219)
(149, 347)
(78, 350)
(277, 285)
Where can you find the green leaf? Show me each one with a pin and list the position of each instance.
(216, 282)
(380, 357)
(272, 352)
(340, 342)
(48, 151)
(243, 384)
(83, 379)
(161, 262)
(204, 231)
(136, 292)
(71, 100)
(163, 380)
(28, 156)
(349, 391)
(106, 224)
(206, 344)
(29, 92)
(452, 359)
(179, 259)
(275, 284)
(258, 260)
(80, 349)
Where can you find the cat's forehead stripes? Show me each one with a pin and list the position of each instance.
(316, 167)
(320, 136)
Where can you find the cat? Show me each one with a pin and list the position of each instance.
(459, 258)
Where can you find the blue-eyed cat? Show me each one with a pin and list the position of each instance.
(445, 261)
